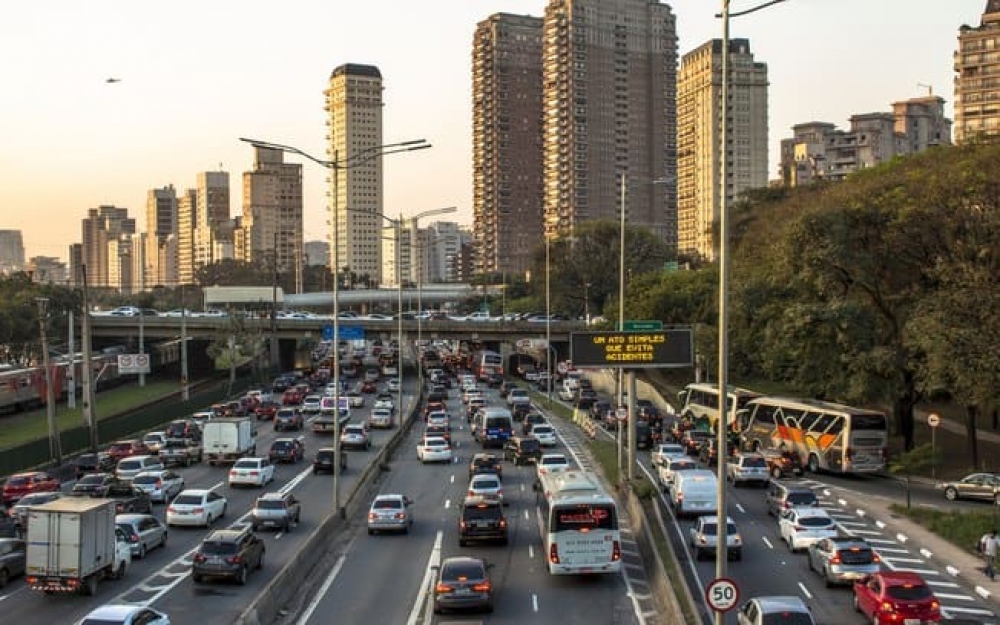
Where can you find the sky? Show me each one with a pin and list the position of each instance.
(195, 76)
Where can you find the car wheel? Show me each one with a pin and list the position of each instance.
(4, 577)
(438, 609)
(196, 578)
(142, 550)
(163, 543)
(857, 606)
(241, 577)
(950, 493)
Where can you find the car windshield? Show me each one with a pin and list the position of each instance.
(756, 463)
(281, 444)
(909, 592)
(485, 484)
(710, 529)
(146, 479)
(461, 571)
(246, 464)
(482, 511)
(35, 498)
(187, 500)
(802, 499)
(91, 480)
(856, 556)
(19, 480)
(129, 465)
(87, 460)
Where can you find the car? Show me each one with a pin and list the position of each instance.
(132, 466)
(125, 614)
(384, 400)
(380, 418)
(438, 430)
(485, 463)
(266, 409)
(482, 518)
(439, 417)
(288, 419)
(434, 449)
(703, 538)
(13, 556)
(93, 485)
(128, 498)
(21, 484)
(485, 485)
(463, 583)
(530, 421)
(551, 463)
(546, 435)
(161, 485)
(228, 553)
(354, 436)
(154, 441)
(746, 467)
(19, 511)
(782, 462)
(843, 560)
(368, 387)
(196, 506)
(144, 532)
(287, 450)
(278, 510)
(310, 404)
(694, 439)
(667, 472)
(393, 385)
(984, 486)
(781, 497)
(292, 397)
(325, 457)
(355, 399)
(251, 472)
(125, 448)
(775, 610)
(390, 512)
(101, 462)
(896, 597)
(800, 527)
(522, 450)
(663, 451)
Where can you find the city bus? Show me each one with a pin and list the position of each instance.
(826, 436)
(578, 521)
(488, 363)
(699, 402)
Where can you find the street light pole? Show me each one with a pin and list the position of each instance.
(548, 317)
(360, 157)
(55, 445)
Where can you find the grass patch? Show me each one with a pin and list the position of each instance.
(28, 426)
(962, 529)
(664, 548)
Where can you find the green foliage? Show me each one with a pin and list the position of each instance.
(962, 529)
(916, 460)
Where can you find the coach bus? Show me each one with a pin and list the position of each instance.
(578, 520)
(826, 436)
(488, 363)
(699, 402)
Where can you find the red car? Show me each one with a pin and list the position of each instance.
(368, 386)
(266, 410)
(291, 397)
(22, 484)
(124, 449)
(896, 597)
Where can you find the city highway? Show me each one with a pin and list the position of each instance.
(162, 579)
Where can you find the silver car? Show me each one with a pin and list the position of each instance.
(161, 485)
(704, 538)
(842, 560)
(390, 513)
(144, 532)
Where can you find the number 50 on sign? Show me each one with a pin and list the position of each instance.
(722, 594)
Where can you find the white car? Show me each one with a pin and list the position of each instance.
(125, 614)
(439, 417)
(251, 472)
(356, 399)
(161, 485)
(155, 441)
(132, 466)
(801, 526)
(197, 506)
(384, 402)
(434, 449)
(310, 405)
(669, 469)
(393, 385)
(551, 463)
(486, 485)
(546, 435)
(380, 418)
(664, 451)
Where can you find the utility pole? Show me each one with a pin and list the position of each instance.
(87, 368)
(55, 445)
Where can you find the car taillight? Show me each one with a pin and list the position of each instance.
(482, 587)
(876, 559)
(616, 551)
(554, 554)
(440, 588)
(472, 493)
(835, 559)
(171, 509)
(198, 510)
(400, 515)
(199, 557)
(255, 473)
(461, 524)
(233, 473)
(159, 483)
(935, 604)
(503, 522)
(133, 538)
(372, 516)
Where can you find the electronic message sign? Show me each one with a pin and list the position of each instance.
(633, 350)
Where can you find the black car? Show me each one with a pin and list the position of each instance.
(520, 410)
(643, 435)
(228, 553)
(93, 484)
(486, 463)
(463, 584)
(325, 456)
(599, 409)
(286, 450)
(531, 420)
(129, 499)
(482, 518)
(522, 449)
(93, 463)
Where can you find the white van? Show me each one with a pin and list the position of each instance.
(694, 492)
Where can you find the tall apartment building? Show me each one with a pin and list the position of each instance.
(977, 78)
(353, 102)
(316, 253)
(609, 83)
(440, 243)
(699, 118)
(47, 269)
(507, 141)
(272, 210)
(406, 242)
(187, 221)
(213, 234)
(11, 251)
(819, 150)
(102, 250)
(159, 260)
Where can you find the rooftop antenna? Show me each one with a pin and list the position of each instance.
(930, 88)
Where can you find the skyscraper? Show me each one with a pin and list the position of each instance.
(158, 264)
(11, 251)
(609, 84)
(699, 115)
(105, 251)
(354, 107)
(977, 76)
(507, 141)
(213, 233)
(272, 210)
(187, 221)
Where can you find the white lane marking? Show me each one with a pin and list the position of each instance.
(453, 479)
(739, 507)
(957, 610)
(534, 602)
(943, 595)
(926, 553)
(423, 591)
(322, 591)
(522, 487)
(447, 503)
(805, 590)
(767, 542)
(531, 552)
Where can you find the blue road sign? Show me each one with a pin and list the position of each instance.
(346, 333)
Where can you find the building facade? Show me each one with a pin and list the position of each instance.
(977, 78)
(440, 243)
(11, 252)
(213, 232)
(272, 211)
(159, 259)
(609, 86)
(47, 269)
(699, 118)
(187, 222)
(354, 108)
(507, 141)
(106, 248)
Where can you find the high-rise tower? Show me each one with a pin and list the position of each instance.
(272, 210)
(977, 76)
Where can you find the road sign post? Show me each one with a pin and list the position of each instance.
(722, 594)
(934, 420)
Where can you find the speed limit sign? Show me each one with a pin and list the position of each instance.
(722, 594)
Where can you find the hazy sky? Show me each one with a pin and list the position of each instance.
(198, 74)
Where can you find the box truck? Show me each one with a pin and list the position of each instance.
(73, 544)
(228, 439)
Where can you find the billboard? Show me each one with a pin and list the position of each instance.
(633, 350)
(133, 363)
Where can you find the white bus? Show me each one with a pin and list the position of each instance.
(826, 436)
(578, 520)
(488, 363)
(699, 402)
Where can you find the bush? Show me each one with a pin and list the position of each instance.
(962, 529)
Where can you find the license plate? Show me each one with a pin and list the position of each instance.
(912, 621)
(462, 591)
